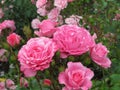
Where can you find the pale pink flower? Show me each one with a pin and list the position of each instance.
(35, 22)
(36, 55)
(47, 82)
(76, 77)
(60, 20)
(61, 4)
(3, 58)
(53, 14)
(10, 84)
(73, 20)
(73, 40)
(33, 1)
(13, 39)
(1, 13)
(99, 55)
(46, 28)
(2, 86)
(23, 82)
(117, 17)
(40, 3)
(42, 11)
(2, 52)
(7, 24)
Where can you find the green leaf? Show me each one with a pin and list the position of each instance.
(115, 78)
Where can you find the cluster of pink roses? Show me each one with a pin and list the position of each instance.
(69, 40)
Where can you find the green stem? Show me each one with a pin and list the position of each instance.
(37, 78)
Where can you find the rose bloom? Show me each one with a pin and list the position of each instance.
(40, 3)
(7, 24)
(76, 77)
(73, 40)
(73, 20)
(53, 14)
(23, 82)
(46, 28)
(42, 11)
(36, 55)
(2, 86)
(10, 84)
(35, 22)
(99, 55)
(3, 57)
(61, 4)
(13, 39)
(47, 82)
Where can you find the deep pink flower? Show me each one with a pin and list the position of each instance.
(40, 3)
(13, 39)
(35, 22)
(36, 55)
(99, 55)
(61, 4)
(10, 84)
(23, 82)
(73, 40)
(47, 82)
(46, 28)
(76, 77)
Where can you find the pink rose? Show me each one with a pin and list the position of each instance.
(73, 40)
(76, 77)
(36, 55)
(3, 58)
(13, 39)
(40, 3)
(42, 11)
(53, 15)
(61, 4)
(99, 55)
(10, 84)
(2, 86)
(46, 28)
(73, 20)
(35, 22)
(7, 24)
(47, 82)
(23, 82)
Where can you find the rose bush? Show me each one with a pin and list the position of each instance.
(53, 45)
